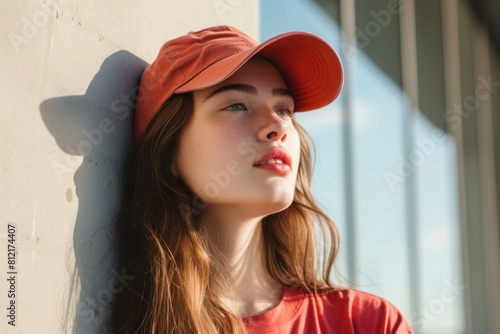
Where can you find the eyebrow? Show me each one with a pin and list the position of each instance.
(248, 89)
(282, 92)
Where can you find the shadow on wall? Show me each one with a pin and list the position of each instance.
(99, 127)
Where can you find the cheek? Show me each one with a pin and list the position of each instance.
(202, 155)
(295, 147)
(188, 156)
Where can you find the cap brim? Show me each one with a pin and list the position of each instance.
(310, 67)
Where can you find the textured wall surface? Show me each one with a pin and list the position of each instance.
(70, 70)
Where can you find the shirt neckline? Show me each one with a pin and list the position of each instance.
(284, 312)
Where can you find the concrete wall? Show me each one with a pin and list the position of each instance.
(69, 69)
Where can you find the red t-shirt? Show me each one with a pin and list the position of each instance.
(337, 312)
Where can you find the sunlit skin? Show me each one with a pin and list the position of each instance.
(235, 126)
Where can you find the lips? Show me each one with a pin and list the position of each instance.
(275, 160)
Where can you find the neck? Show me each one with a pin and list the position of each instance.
(239, 247)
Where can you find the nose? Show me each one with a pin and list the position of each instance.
(273, 128)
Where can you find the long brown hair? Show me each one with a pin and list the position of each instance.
(161, 242)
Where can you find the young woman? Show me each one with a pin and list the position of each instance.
(219, 227)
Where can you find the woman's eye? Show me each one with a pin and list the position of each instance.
(236, 107)
(284, 112)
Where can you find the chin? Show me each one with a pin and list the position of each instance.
(274, 207)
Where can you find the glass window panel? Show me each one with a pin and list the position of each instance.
(441, 310)
(380, 192)
(379, 107)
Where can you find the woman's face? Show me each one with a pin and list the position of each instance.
(240, 148)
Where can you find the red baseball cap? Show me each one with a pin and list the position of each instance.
(309, 66)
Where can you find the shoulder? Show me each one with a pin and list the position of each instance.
(359, 301)
(365, 312)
